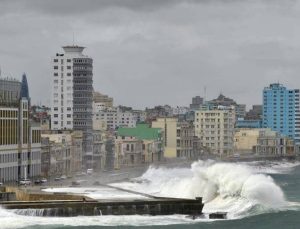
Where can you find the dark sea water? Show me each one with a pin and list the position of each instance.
(286, 217)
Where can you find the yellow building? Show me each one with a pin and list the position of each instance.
(245, 140)
(179, 138)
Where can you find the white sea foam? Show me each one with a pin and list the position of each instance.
(229, 187)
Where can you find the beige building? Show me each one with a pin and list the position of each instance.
(179, 137)
(61, 153)
(215, 128)
(102, 100)
(99, 154)
(271, 143)
(128, 152)
(245, 140)
(152, 141)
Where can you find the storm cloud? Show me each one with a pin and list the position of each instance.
(149, 52)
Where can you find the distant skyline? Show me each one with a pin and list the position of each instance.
(149, 53)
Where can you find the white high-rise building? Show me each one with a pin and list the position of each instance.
(62, 110)
(72, 94)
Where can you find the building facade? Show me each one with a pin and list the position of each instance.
(61, 153)
(197, 101)
(56, 155)
(128, 152)
(20, 142)
(102, 100)
(281, 111)
(215, 128)
(245, 140)
(112, 118)
(272, 143)
(179, 138)
(243, 123)
(152, 141)
(72, 94)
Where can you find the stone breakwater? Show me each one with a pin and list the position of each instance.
(65, 205)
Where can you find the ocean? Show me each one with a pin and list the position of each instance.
(254, 194)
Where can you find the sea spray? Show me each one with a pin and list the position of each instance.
(230, 187)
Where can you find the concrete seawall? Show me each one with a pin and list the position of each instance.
(22, 195)
(64, 205)
(127, 207)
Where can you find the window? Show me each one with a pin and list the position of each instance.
(68, 60)
(55, 67)
(68, 116)
(55, 115)
(56, 108)
(68, 74)
(68, 67)
(56, 74)
(69, 108)
(55, 60)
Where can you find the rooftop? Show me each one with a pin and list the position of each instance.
(73, 49)
(141, 132)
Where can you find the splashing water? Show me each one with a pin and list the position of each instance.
(233, 188)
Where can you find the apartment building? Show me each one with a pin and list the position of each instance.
(114, 117)
(61, 152)
(272, 143)
(72, 94)
(179, 138)
(152, 140)
(215, 128)
(128, 152)
(281, 110)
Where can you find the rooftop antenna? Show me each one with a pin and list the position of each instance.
(204, 93)
(73, 39)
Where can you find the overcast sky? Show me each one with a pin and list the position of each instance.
(149, 52)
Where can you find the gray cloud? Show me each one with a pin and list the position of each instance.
(157, 52)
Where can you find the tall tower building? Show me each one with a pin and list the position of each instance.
(281, 111)
(72, 94)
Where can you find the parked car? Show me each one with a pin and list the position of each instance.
(57, 178)
(75, 183)
(43, 180)
(37, 181)
(63, 177)
(25, 182)
(89, 171)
